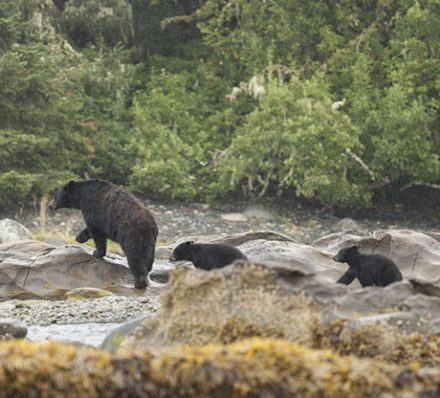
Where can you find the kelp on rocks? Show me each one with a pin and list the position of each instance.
(249, 368)
(379, 341)
(224, 306)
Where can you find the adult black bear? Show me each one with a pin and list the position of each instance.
(206, 255)
(371, 270)
(111, 213)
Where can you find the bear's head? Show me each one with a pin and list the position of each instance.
(65, 197)
(182, 252)
(345, 255)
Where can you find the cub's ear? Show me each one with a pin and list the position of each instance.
(69, 186)
(354, 247)
(189, 243)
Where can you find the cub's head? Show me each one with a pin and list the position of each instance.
(344, 255)
(65, 197)
(182, 252)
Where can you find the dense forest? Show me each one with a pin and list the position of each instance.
(200, 99)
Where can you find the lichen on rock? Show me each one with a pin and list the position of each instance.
(223, 306)
(380, 341)
(249, 368)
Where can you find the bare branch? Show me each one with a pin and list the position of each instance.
(361, 162)
(421, 184)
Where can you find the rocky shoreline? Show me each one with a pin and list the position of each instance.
(198, 221)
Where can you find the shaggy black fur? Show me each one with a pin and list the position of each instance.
(111, 213)
(371, 270)
(206, 256)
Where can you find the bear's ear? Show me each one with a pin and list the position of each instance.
(70, 185)
(354, 247)
(189, 243)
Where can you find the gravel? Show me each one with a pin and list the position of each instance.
(180, 220)
(114, 309)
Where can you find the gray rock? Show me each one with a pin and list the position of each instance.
(235, 239)
(32, 269)
(12, 328)
(260, 212)
(11, 230)
(407, 322)
(83, 293)
(416, 254)
(116, 337)
(345, 224)
(234, 217)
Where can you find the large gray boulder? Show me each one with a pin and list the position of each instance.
(33, 269)
(11, 230)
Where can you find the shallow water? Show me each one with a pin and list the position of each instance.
(87, 333)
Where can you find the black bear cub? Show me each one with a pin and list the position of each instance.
(371, 270)
(206, 255)
(111, 213)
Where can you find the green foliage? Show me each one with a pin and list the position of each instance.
(63, 114)
(161, 95)
(402, 144)
(38, 141)
(166, 142)
(91, 21)
(294, 139)
(105, 81)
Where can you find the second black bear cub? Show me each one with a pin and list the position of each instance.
(206, 255)
(371, 270)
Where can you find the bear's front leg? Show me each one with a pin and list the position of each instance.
(83, 236)
(100, 242)
(347, 278)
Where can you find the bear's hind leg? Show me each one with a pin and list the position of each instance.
(138, 270)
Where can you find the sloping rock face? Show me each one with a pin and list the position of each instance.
(285, 282)
(33, 269)
(416, 254)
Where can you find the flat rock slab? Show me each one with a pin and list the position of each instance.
(33, 269)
